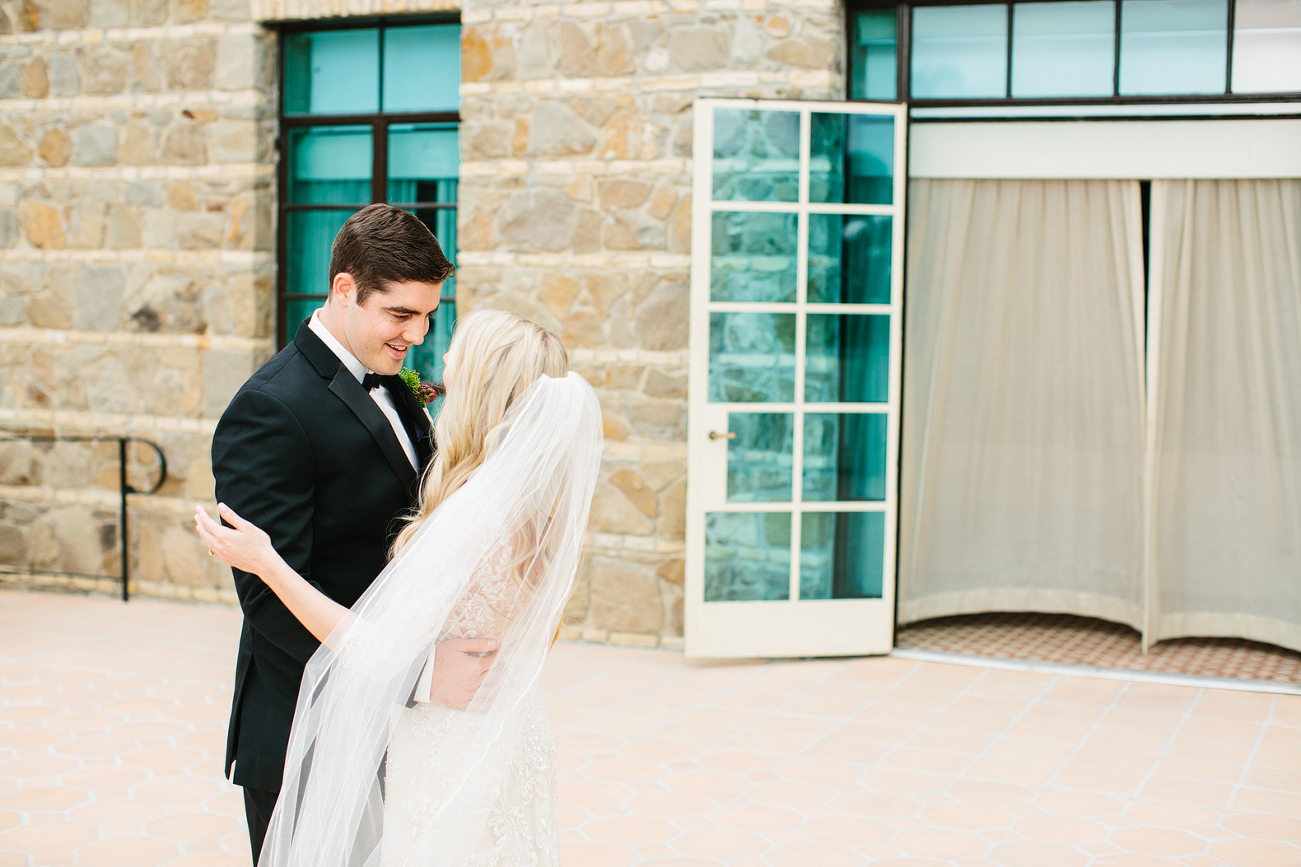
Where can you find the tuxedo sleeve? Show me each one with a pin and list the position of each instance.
(262, 462)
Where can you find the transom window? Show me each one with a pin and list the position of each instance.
(368, 114)
(1075, 50)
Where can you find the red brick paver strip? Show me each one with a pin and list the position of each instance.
(112, 721)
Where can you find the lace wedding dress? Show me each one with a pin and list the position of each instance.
(372, 782)
(524, 812)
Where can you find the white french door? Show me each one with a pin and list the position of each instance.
(796, 295)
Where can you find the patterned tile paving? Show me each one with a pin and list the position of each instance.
(1068, 640)
(112, 716)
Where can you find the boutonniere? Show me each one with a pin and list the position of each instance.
(425, 392)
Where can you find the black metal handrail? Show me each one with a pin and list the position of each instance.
(124, 488)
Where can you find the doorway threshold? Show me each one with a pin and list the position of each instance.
(1189, 680)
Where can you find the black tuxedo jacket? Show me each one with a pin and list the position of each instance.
(304, 453)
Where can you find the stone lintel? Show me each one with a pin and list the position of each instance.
(304, 10)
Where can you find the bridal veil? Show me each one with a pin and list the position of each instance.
(527, 504)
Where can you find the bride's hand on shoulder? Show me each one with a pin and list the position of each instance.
(242, 545)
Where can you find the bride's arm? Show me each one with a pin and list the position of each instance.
(248, 548)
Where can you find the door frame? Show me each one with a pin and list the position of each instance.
(785, 628)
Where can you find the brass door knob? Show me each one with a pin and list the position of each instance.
(715, 435)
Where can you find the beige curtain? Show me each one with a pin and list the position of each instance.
(1224, 445)
(1022, 445)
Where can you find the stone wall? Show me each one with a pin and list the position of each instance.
(576, 212)
(136, 270)
(136, 230)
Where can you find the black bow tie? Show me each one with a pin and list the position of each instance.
(371, 381)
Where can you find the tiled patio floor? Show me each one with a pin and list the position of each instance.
(112, 719)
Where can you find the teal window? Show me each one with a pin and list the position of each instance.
(874, 54)
(1173, 46)
(959, 51)
(1064, 51)
(369, 114)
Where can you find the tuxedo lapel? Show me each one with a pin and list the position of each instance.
(420, 429)
(346, 387)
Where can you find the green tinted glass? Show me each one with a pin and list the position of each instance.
(747, 556)
(851, 159)
(849, 259)
(842, 555)
(756, 155)
(844, 456)
(752, 256)
(751, 357)
(297, 310)
(873, 55)
(760, 458)
(332, 72)
(330, 165)
(307, 251)
(847, 358)
(422, 68)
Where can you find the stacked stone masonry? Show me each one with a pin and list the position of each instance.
(136, 272)
(137, 202)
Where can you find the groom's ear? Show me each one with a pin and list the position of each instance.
(344, 289)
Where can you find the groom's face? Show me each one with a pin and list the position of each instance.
(388, 323)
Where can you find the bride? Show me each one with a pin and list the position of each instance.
(378, 775)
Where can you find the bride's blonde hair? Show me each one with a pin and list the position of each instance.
(494, 356)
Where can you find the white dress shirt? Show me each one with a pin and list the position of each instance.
(381, 396)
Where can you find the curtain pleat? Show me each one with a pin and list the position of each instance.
(1022, 442)
(1224, 477)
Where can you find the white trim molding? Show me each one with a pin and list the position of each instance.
(1107, 149)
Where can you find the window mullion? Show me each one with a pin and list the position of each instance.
(1228, 53)
(379, 176)
(1115, 72)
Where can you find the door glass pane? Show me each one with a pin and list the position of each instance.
(1266, 46)
(296, 310)
(756, 155)
(747, 556)
(844, 456)
(1064, 49)
(842, 555)
(422, 68)
(873, 58)
(1173, 46)
(851, 159)
(330, 165)
(751, 357)
(307, 249)
(847, 359)
(332, 72)
(752, 256)
(849, 259)
(959, 51)
(760, 459)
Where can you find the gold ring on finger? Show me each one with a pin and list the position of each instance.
(211, 553)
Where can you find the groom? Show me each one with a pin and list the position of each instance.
(324, 448)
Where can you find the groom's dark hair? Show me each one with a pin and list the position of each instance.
(381, 244)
